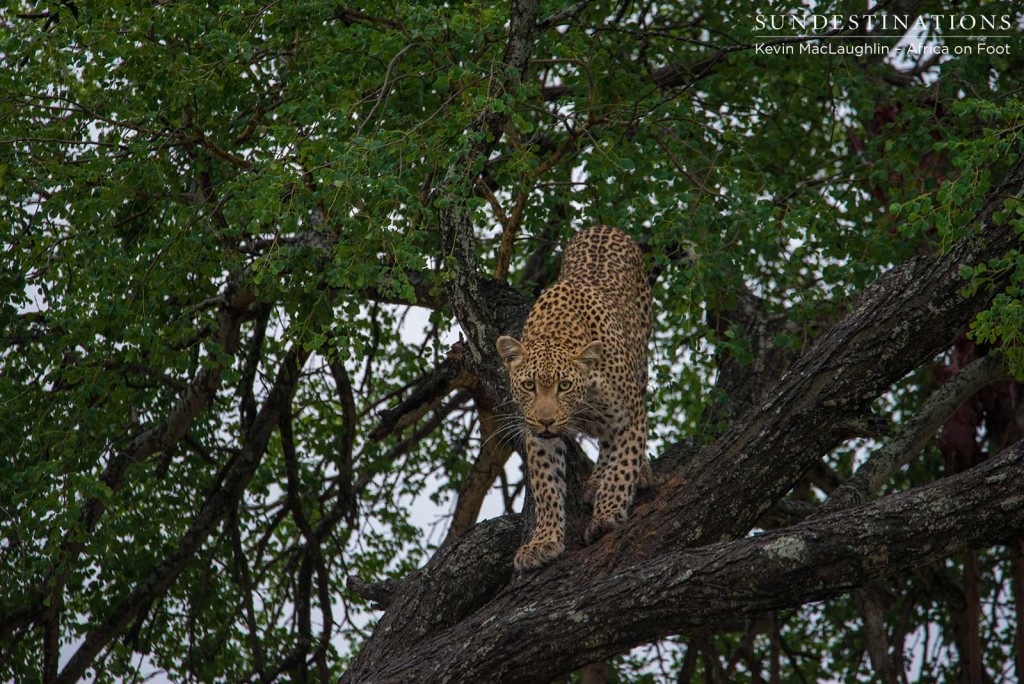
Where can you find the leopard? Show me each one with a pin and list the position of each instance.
(581, 369)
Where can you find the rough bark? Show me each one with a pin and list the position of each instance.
(550, 623)
(908, 316)
(465, 575)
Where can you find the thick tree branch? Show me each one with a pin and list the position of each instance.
(428, 394)
(346, 440)
(877, 642)
(236, 300)
(905, 318)
(507, 309)
(565, 625)
(463, 576)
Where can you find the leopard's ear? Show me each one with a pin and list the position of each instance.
(511, 350)
(588, 356)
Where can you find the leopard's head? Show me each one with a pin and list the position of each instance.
(549, 383)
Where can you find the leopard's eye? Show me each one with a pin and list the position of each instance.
(528, 385)
(564, 385)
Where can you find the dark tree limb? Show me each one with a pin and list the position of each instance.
(241, 567)
(916, 432)
(458, 238)
(427, 395)
(347, 440)
(463, 576)
(565, 624)
(905, 318)
(877, 641)
(507, 309)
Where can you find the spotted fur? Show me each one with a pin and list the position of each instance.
(581, 367)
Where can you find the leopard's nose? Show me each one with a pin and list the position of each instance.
(546, 422)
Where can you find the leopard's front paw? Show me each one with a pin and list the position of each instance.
(599, 525)
(537, 553)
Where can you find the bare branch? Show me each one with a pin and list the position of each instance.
(507, 309)
(495, 449)
(916, 432)
(563, 16)
(872, 610)
(450, 375)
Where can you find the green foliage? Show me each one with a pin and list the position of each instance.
(152, 154)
